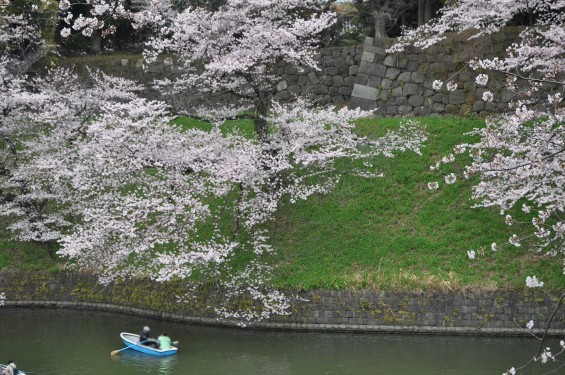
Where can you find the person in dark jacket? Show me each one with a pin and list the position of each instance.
(146, 339)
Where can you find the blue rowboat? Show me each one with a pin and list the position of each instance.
(3, 367)
(132, 340)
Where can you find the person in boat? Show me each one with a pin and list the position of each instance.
(11, 368)
(145, 338)
(164, 341)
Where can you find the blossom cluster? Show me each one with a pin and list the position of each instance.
(519, 157)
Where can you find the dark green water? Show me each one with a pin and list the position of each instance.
(45, 341)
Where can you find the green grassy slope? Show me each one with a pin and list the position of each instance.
(394, 233)
(386, 233)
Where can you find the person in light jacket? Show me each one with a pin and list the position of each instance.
(11, 368)
(164, 341)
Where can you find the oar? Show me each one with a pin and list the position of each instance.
(127, 347)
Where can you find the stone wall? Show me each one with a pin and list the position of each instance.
(365, 76)
(401, 84)
(501, 313)
(332, 84)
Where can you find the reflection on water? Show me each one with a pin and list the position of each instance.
(75, 342)
(143, 363)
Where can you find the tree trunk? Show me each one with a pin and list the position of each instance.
(428, 11)
(380, 25)
(96, 43)
(403, 18)
(260, 123)
(421, 12)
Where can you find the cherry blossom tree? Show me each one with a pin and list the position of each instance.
(234, 50)
(125, 192)
(520, 156)
(19, 41)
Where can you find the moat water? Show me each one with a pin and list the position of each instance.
(79, 342)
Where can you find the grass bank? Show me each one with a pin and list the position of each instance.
(394, 233)
(390, 233)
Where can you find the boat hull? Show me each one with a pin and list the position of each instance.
(3, 367)
(132, 340)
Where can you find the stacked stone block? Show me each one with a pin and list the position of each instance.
(400, 84)
(332, 84)
(502, 313)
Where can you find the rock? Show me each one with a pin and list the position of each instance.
(368, 56)
(436, 67)
(339, 62)
(392, 110)
(404, 109)
(354, 102)
(378, 70)
(452, 109)
(386, 84)
(364, 92)
(412, 66)
(326, 80)
(313, 78)
(421, 111)
(506, 95)
(361, 79)
(404, 77)
(402, 62)
(478, 106)
(282, 95)
(327, 61)
(291, 80)
(332, 70)
(376, 51)
(465, 77)
(457, 97)
(302, 79)
(401, 100)
(345, 91)
(337, 81)
(438, 107)
(392, 73)
(416, 100)
(374, 81)
(397, 91)
(391, 60)
(368, 105)
(337, 99)
(282, 85)
(349, 81)
(320, 89)
(410, 89)
(465, 110)
(353, 69)
(290, 69)
(417, 77)
(294, 89)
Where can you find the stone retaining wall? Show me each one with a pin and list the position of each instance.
(332, 84)
(401, 84)
(365, 76)
(501, 313)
